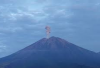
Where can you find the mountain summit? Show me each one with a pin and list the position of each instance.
(53, 43)
(52, 53)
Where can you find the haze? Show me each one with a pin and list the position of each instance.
(22, 22)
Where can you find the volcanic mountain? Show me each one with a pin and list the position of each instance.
(52, 53)
(98, 52)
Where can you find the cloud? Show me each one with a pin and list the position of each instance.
(23, 22)
(3, 49)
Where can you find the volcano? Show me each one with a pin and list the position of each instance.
(52, 53)
(98, 52)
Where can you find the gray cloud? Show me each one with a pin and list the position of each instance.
(22, 23)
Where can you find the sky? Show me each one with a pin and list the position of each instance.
(22, 22)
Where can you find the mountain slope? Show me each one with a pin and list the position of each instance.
(51, 53)
(98, 52)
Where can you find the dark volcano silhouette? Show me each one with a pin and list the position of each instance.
(52, 53)
(98, 52)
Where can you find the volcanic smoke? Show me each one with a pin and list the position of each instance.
(48, 31)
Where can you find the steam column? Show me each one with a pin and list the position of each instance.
(48, 31)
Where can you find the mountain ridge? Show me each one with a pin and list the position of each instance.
(52, 52)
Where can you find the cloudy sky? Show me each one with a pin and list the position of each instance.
(22, 23)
